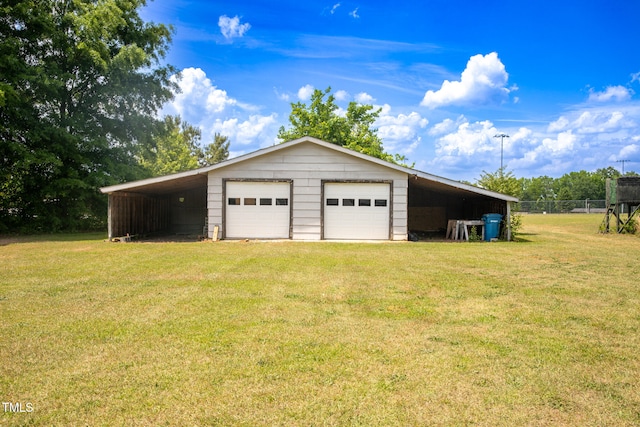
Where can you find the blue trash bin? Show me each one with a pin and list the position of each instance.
(491, 226)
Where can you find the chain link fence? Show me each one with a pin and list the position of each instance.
(562, 206)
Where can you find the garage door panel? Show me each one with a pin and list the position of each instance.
(258, 210)
(358, 211)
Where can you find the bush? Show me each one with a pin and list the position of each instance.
(515, 221)
(631, 227)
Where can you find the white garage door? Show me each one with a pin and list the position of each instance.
(257, 210)
(358, 211)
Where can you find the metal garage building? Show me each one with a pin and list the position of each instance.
(306, 189)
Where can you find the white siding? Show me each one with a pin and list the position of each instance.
(307, 164)
(399, 229)
(214, 203)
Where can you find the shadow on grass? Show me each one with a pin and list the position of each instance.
(9, 239)
(520, 238)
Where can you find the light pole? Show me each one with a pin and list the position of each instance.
(502, 136)
(623, 162)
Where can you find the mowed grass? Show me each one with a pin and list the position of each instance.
(540, 332)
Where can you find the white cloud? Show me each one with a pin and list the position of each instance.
(594, 121)
(612, 93)
(334, 8)
(469, 148)
(217, 100)
(586, 137)
(305, 92)
(629, 151)
(364, 98)
(522, 134)
(474, 147)
(211, 109)
(282, 96)
(446, 126)
(484, 80)
(255, 129)
(400, 133)
(558, 125)
(231, 27)
(469, 139)
(197, 94)
(565, 142)
(587, 141)
(354, 13)
(600, 122)
(342, 95)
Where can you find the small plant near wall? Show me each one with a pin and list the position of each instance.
(473, 235)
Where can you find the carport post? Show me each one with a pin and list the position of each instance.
(109, 217)
(508, 221)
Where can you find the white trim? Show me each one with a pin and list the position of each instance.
(463, 186)
(150, 181)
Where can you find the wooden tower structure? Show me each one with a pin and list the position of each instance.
(623, 202)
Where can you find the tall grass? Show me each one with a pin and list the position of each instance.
(539, 332)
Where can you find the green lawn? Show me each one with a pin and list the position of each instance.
(539, 332)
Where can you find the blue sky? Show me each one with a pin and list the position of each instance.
(561, 78)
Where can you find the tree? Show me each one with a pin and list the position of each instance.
(176, 149)
(609, 172)
(217, 151)
(580, 186)
(538, 189)
(81, 83)
(500, 182)
(352, 130)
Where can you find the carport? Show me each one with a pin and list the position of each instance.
(433, 201)
(169, 205)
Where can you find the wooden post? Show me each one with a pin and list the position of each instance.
(109, 217)
(508, 221)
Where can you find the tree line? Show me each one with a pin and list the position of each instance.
(81, 84)
(579, 185)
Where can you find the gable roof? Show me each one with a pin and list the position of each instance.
(199, 175)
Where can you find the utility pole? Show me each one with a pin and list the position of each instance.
(502, 136)
(623, 162)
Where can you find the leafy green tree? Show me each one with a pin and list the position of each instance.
(81, 82)
(580, 186)
(538, 189)
(609, 172)
(564, 196)
(500, 182)
(176, 150)
(217, 151)
(352, 130)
